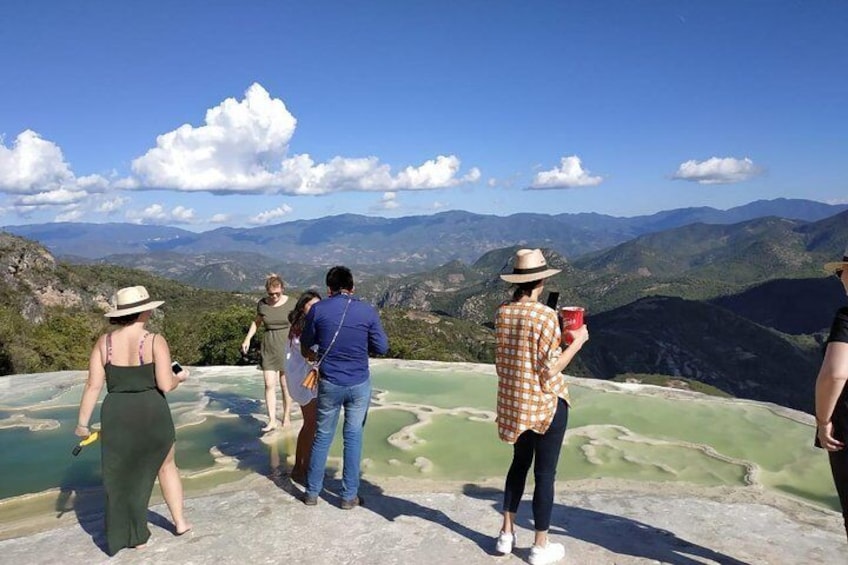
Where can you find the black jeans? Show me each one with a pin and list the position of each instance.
(546, 448)
(839, 469)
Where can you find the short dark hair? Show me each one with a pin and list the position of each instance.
(339, 278)
(124, 320)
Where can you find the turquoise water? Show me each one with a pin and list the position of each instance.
(611, 435)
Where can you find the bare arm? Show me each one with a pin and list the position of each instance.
(166, 380)
(93, 386)
(254, 325)
(829, 385)
(551, 380)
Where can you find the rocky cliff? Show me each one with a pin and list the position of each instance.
(31, 281)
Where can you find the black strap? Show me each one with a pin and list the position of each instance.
(335, 335)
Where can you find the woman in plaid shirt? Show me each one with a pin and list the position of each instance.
(532, 397)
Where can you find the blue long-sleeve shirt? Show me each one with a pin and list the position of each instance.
(361, 334)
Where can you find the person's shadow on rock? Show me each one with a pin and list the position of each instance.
(617, 534)
(241, 440)
(391, 507)
(80, 492)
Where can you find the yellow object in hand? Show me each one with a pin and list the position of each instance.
(92, 437)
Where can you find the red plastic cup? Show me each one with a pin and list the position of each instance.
(571, 318)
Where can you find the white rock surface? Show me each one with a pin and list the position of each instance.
(266, 523)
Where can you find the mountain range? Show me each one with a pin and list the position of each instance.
(399, 244)
(741, 306)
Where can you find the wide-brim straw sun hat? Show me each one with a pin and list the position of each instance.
(529, 265)
(834, 266)
(132, 300)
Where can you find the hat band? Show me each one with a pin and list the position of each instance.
(120, 307)
(531, 271)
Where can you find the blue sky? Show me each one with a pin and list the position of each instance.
(240, 113)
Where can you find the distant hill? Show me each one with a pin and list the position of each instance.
(399, 244)
(696, 262)
(710, 344)
(51, 313)
(701, 261)
(794, 306)
(239, 271)
(714, 302)
(92, 241)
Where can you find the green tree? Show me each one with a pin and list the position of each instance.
(221, 333)
(64, 339)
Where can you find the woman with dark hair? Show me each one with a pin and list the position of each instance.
(137, 430)
(296, 369)
(832, 395)
(532, 411)
(272, 311)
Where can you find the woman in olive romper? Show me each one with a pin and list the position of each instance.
(272, 311)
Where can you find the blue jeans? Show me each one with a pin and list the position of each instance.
(331, 398)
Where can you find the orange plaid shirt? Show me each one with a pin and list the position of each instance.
(528, 340)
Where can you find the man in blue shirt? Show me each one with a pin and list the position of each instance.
(346, 331)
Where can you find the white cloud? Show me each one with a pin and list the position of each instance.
(93, 183)
(157, 214)
(570, 174)
(492, 182)
(111, 205)
(437, 205)
(219, 219)
(32, 165)
(154, 213)
(243, 148)
(436, 173)
(57, 197)
(269, 215)
(717, 170)
(36, 170)
(182, 214)
(232, 151)
(389, 201)
(72, 214)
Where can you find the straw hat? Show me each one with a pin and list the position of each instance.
(132, 300)
(834, 266)
(529, 265)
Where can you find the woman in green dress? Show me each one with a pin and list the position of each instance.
(137, 432)
(273, 311)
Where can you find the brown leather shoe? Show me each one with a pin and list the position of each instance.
(352, 503)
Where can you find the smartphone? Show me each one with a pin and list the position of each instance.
(176, 368)
(553, 298)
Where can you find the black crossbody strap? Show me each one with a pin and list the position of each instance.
(335, 335)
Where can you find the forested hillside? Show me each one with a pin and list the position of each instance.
(51, 314)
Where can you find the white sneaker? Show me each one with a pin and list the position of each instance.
(505, 543)
(550, 553)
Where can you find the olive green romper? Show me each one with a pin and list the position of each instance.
(137, 433)
(276, 322)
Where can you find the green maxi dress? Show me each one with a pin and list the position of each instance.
(137, 434)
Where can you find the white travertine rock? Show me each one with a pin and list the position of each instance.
(266, 523)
